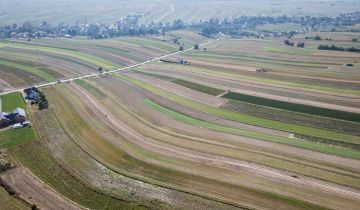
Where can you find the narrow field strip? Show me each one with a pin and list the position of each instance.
(344, 152)
(241, 117)
(198, 87)
(311, 110)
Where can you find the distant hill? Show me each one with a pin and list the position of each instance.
(108, 11)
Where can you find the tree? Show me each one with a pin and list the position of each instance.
(196, 46)
(100, 69)
(317, 37)
(301, 44)
(287, 42)
(205, 49)
(354, 40)
(181, 48)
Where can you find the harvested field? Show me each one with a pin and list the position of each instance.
(32, 190)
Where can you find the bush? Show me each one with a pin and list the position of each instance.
(317, 37)
(301, 44)
(287, 42)
(196, 46)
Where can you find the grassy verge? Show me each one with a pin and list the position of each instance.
(235, 116)
(197, 87)
(311, 110)
(345, 152)
(12, 101)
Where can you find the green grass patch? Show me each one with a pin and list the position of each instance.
(12, 101)
(345, 152)
(311, 110)
(12, 137)
(198, 87)
(235, 116)
(39, 72)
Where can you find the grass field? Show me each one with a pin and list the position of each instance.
(12, 101)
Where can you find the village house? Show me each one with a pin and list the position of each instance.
(7, 119)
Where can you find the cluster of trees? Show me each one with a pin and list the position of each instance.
(42, 102)
(128, 26)
(336, 48)
(299, 44)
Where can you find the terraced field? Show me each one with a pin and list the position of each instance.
(25, 63)
(215, 134)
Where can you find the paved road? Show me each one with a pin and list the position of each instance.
(103, 73)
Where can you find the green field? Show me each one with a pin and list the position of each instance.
(12, 101)
(311, 110)
(197, 87)
(12, 137)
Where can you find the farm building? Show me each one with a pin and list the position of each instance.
(17, 116)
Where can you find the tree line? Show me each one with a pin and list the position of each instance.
(336, 48)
